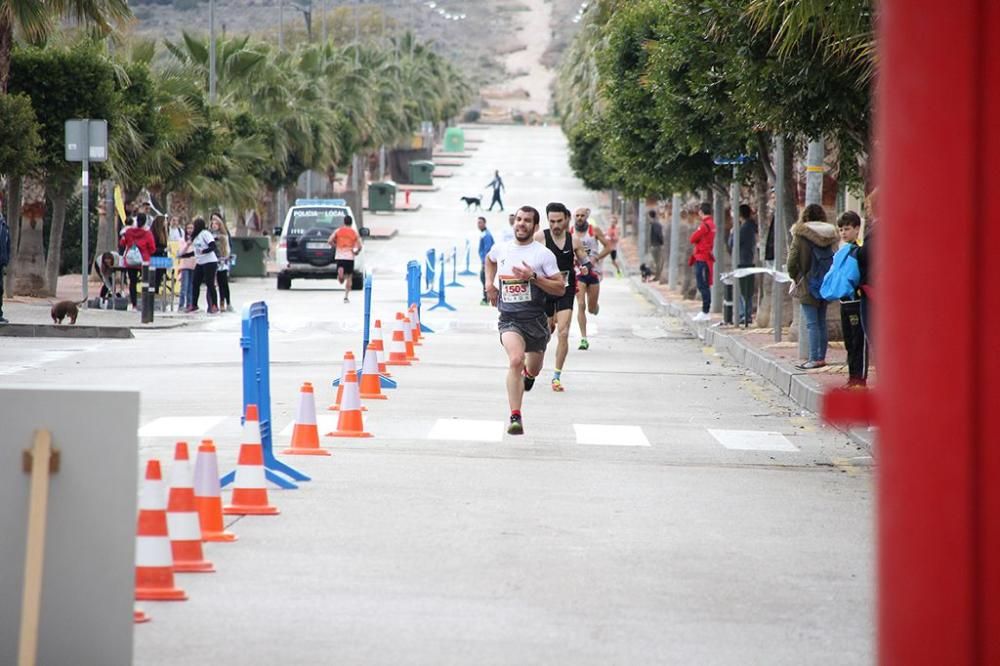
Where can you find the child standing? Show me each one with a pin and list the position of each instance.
(849, 226)
(186, 266)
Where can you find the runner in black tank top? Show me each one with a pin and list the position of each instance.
(560, 310)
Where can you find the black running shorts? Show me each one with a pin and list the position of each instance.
(564, 302)
(534, 330)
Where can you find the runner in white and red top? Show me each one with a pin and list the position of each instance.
(519, 274)
(588, 278)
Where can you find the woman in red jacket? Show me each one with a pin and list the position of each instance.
(703, 238)
(141, 239)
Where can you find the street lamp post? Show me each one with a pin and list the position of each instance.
(211, 51)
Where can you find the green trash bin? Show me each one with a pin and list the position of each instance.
(420, 172)
(382, 197)
(454, 140)
(248, 256)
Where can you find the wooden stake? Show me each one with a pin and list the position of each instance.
(39, 461)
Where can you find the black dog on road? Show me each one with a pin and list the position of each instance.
(473, 201)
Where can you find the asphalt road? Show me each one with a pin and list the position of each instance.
(668, 508)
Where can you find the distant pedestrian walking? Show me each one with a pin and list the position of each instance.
(497, 185)
(485, 243)
(656, 245)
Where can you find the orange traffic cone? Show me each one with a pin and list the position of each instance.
(208, 494)
(154, 564)
(407, 337)
(182, 518)
(350, 424)
(414, 315)
(349, 364)
(371, 385)
(305, 434)
(380, 348)
(397, 346)
(249, 489)
(139, 616)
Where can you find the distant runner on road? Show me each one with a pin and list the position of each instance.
(568, 251)
(519, 274)
(346, 244)
(589, 275)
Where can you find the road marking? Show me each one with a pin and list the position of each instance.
(180, 426)
(609, 435)
(324, 422)
(467, 430)
(752, 440)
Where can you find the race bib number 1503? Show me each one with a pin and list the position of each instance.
(515, 291)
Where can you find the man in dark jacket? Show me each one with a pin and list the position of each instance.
(656, 245)
(748, 250)
(4, 258)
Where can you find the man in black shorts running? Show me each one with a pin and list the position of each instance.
(568, 252)
(519, 274)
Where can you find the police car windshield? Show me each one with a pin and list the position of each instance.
(307, 218)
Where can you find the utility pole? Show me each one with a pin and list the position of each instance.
(640, 229)
(814, 195)
(777, 295)
(281, 25)
(719, 249)
(211, 51)
(675, 240)
(734, 211)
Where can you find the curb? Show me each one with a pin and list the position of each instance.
(803, 391)
(69, 331)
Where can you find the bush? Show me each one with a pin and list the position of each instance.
(471, 116)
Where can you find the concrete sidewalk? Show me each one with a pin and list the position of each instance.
(755, 349)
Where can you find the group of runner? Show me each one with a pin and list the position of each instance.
(535, 279)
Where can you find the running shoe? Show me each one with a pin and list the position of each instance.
(557, 386)
(584, 344)
(528, 381)
(515, 427)
(346, 299)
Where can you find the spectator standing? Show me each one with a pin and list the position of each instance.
(656, 244)
(849, 228)
(140, 238)
(221, 235)
(508, 233)
(206, 264)
(497, 185)
(4, 259)
(703, 260)
(748, 245)
(186, 264)
(485, 243)
(866, 255)
(160, 239)
(175, 232)
(810, 256)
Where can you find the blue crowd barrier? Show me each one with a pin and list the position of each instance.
(454, 269)
(257, 391)
(468, 260)
(441, 297)
(429, 275)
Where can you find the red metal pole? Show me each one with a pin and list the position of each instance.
(937, 324)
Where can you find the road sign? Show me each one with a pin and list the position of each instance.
(86, 140)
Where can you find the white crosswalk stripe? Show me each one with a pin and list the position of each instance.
(609, 435)
(753, 440)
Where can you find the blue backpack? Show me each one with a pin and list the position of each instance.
(822, 260)
(842, 280)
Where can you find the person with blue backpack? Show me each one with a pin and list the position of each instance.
(810, 256)
(843, 282)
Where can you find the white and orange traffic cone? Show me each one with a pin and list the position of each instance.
(371, 383)
(182, 517)
(397, 346)
(208, 494)
(349, 364)
(154, 563)
(350, 423)
(407, 337)
(250, 488)
(379, 348)
(305, 434)
(414, 315)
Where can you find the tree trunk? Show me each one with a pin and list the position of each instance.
(29, 262)
(59, 200)
(761, 192)
(6, 46)
(13, 216)
(179, 203)
(105, 221)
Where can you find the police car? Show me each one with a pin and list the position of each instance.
(304, 250)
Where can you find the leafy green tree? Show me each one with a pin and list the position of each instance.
(19, 143)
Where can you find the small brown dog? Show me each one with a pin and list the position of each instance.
(64, 309)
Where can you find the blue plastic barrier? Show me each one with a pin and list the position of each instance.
(468, 259)
(385, 382)
(257, 391)
(429, 275)
(413, 292)
(441, 302)
(454, 268)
